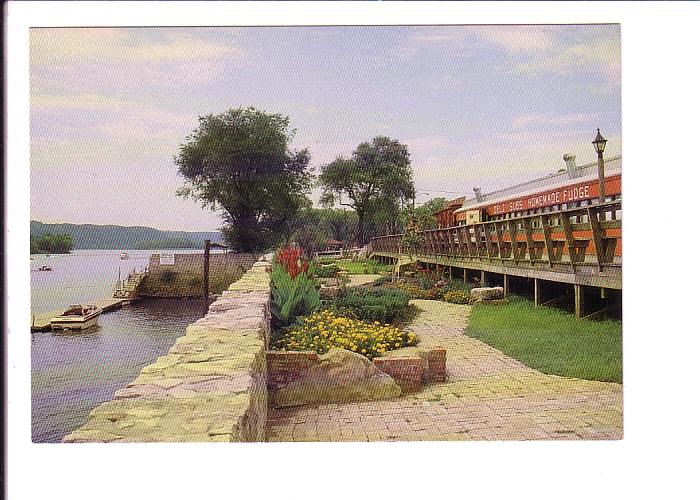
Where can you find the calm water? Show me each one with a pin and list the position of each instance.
(73, 373)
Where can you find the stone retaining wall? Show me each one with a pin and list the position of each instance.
(211, 386)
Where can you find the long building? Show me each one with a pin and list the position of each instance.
(574, 187)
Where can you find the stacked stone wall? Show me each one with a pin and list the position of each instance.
(211, 386)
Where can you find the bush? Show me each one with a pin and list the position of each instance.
(372, 304)
(456, 297)
(194, 281)
(168, 276)
(324, 330)
(292, 297)
(330, 271)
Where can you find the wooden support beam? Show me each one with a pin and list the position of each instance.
(513, 232)
(569, 235)
(578, 301)
(527, 225)
(483, 278)
(538, 298)
(546, 230)
(499, 239)
(505, 285)
(465, 275)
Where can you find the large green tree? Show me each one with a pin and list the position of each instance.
(240, 164)
(377, 175)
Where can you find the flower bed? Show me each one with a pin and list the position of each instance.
(324, 330)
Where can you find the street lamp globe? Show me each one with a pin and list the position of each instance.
(599, 143)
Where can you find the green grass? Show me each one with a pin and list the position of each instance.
(363, 267)
(550, 340)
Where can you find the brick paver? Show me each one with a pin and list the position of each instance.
(487, 396)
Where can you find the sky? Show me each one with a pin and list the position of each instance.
(486, 106)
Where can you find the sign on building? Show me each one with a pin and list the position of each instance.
(167, 259)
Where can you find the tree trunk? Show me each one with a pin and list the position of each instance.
(360, 227)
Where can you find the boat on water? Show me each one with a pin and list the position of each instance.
(76, 317)
(45, 268)
(124, 256)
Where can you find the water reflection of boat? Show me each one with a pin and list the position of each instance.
(76, 317)
(124, 256)
(45, 268)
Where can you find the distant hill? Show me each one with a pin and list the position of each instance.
(91, 236)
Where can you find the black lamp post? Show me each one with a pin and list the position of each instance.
(599, 145)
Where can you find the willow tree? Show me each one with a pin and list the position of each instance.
(240, 164)
(377, 174)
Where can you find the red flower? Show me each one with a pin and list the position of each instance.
(292, 261)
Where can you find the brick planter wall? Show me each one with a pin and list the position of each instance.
(285, 366)
(409, 372)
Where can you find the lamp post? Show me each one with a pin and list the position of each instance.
(599, 145)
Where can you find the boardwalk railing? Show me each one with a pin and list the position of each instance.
(586, 241)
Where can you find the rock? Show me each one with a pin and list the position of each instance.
(340, 376)
(329, 282)
(486, 293)
(329, 292)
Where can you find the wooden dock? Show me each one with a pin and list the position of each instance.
(42, 322)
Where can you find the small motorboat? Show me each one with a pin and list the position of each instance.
(45, 268)
(76, 317)
(124, 256)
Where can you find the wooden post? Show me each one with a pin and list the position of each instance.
(538, 298)
(205, 280)
(578, 301)
(505, 285)
(450, 272)
(483, 278)
(465, 275)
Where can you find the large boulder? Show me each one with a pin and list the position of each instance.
(340, 376)
(486, 293)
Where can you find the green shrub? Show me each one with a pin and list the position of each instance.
(194, 281)
(168, 276)
(292, 297)
(372, 304)
(329, 271)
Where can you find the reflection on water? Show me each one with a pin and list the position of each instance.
(74, 372)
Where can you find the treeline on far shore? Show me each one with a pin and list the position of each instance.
(51, 243)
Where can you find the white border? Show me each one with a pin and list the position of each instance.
(660, 110)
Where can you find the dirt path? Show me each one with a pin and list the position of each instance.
(487, 396)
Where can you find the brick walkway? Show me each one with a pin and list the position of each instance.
(487, 396)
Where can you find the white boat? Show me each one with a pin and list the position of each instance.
(76, 317)
(124, 256)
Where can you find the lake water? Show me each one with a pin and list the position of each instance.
(74, 372)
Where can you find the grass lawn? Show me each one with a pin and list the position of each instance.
(551, 341)
(363, 267)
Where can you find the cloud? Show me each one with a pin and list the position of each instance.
(521, 38)
(56, 45)
(601, 54)
(549, 120)
(84, 102)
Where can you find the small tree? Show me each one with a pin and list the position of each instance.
(377, 173)
(240, 164)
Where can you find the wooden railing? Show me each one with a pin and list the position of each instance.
(565, 240)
